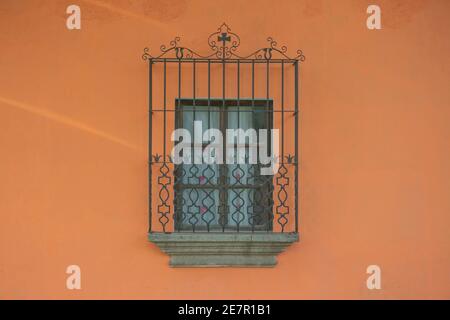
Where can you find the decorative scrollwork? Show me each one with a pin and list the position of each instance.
(218, 42)
(159, 158)
(178, 51)
(223, 44)
(290, 159)
(164, 208)
(282, 208)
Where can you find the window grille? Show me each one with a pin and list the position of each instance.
(226, 90)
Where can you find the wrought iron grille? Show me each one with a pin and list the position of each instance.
(223, 89)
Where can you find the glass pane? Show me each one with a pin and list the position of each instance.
(208, 119)
(200, 173)
(256, 119)
(248, 208)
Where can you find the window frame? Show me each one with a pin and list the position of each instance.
(223, 185)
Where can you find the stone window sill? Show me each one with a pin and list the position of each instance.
(223, 249)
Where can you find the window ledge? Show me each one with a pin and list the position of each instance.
(223, 249)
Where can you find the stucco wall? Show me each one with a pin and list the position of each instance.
(375, 153)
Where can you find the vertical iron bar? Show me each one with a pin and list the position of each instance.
(193, 82)
(238, 92)
(209, 94)
(193, 107)
(165, 110)
(253, 90)
(296, 145)
(238, 126)
(150, 108)
(267, 84)
(253, 113)
(224, 119)
(267, 96)
(253, 86)
(209, 121)
(179, 90)
(165, 118)
(223, 85)
(181, 121)
(282, 111)
(269, 147)
(193, 133)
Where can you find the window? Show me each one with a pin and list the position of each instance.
(231, 213)
(227, 197)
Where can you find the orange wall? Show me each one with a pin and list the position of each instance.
(375, 151)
